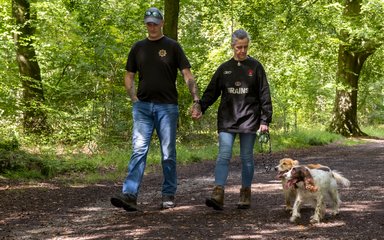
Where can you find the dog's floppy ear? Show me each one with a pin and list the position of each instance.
(309, 183)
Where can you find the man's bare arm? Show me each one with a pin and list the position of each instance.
(194, 90)
(129, 81)
(191, 83)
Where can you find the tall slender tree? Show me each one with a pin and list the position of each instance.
(34, 120)
(171, 18)
(353, 52)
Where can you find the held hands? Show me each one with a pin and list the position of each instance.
(196, 111)
(134, 99)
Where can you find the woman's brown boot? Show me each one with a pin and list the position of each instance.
(217, 199)
(245, 198)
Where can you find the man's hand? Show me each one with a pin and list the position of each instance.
(196, 111)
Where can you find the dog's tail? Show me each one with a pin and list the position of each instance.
(340, 179)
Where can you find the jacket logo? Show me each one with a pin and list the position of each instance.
(162, 53)
(237, 90)
(238, 84)
(227, 72)
(250, 72)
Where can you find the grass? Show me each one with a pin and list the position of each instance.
(374, 131)
(303, 138)
(110, 163)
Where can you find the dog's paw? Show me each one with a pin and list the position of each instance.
(315, 219)
(335, 212)
(288, 208)
(294, 219)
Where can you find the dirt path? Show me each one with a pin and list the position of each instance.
(54, 211)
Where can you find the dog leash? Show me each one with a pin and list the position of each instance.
(265, 150)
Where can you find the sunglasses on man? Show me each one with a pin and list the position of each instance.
(155, 14)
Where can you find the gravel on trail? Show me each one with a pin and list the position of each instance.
(56, 210)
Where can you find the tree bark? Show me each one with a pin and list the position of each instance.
(34, 119)
(171, 18)
(350, 62)
(344, 121)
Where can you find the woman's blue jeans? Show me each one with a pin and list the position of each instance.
(247, 142)
(148, 117)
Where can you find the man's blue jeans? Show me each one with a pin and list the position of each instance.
(148, 117)
(247, 142)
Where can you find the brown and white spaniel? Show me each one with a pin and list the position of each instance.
(316, 187)
(284, 166)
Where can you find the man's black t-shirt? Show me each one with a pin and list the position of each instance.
(157, 63)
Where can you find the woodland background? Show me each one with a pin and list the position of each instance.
(62, 63)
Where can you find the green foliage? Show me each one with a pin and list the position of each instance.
(9, 84)
(9, 143)
(111, 162)
(82, 47)
(24, 165)
(371, 91)
(374, 130)
(302, 138)
(17, 161)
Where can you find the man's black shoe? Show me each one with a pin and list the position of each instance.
(126, 202)
(211, 202)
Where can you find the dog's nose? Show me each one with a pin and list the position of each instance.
(276, 168)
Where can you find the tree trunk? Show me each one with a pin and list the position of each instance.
(344, 120)
(350, 62)
(34, 119)
(171, 18)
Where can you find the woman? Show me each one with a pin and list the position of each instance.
(245, 108)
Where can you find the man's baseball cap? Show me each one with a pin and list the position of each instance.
(153, 15)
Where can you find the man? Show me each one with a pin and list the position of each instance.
(156, 59)
(245, 108)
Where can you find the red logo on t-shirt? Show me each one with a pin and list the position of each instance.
(250, 72)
